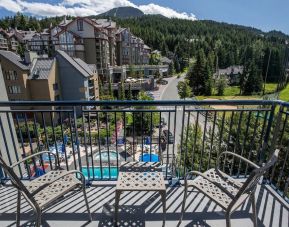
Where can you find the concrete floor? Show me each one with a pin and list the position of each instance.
(144, 209)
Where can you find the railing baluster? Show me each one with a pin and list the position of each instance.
(212, 139)
(124, 134)
(237, 143)
(99, 148)
(116, 138)
(77, 138)
(72, 141)
(252, 141)
(243, 145)
(30, 141)
(168, 144)
(229, 138)
(63, 141)
(54, 136)
(204, 141)
(38, 142)
(187, 137)
(85, 146)
(90, 144)
(182, 138)
(107, 143)
(195, 139)
(46, 138)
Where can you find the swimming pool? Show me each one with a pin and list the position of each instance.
(104, 156)
(97, 172)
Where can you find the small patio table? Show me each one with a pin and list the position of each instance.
(140, 176)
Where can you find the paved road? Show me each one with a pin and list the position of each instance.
(170, 92)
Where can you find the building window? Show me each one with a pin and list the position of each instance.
(80, 25)
(11, 75)
(14, 89)
(55, 87)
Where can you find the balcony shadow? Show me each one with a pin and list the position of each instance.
(128, 216)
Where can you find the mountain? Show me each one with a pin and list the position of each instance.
(123, 12)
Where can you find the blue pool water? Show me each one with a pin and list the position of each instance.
(97, 172)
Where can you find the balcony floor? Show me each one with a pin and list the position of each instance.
(144, 209)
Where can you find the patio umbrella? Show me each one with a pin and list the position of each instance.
(147, 140)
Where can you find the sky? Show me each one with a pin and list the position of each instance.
(263, 14)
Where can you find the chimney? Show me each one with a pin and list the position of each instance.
(64, 20)
(29, 56)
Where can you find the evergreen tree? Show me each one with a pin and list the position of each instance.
(171, 70)
(196, 75)
(208, 80)
(184, 89)
(254, 82)
(221, 85)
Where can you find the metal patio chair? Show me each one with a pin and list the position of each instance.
(44, 190)
(227, 192)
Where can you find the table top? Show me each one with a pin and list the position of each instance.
(140, 181)
(140, 167)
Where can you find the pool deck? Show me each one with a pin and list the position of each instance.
(145, 209)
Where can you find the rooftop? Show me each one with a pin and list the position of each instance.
(15, 59)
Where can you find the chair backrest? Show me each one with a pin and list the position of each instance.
(16, 182)
(250, 184)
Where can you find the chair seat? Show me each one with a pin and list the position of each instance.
(220, 196)
(54, 190)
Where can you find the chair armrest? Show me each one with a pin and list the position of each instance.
(59, 177)
(237, 156)
(34, 155)
(208, 179)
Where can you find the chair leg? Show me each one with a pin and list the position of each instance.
(163, 195)
(183, 204)
(38, 218)
(228, 219)
(255, 214)
(117, 198)
(86, 203)
(18, 209)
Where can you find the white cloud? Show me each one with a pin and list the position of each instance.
(85, 8)
(165, 11)
(10, 5)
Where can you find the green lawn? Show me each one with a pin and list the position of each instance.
(270, 88)
(284, 94)
(233, 92)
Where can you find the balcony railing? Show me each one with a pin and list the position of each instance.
(96, 136)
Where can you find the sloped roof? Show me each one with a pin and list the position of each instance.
(15, 59)
(77, 63)
(41, 69)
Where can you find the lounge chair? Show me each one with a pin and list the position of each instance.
(43, 191)
(227, 192)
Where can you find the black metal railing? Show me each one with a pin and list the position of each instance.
(96, 136)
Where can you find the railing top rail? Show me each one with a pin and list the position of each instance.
(141, 103)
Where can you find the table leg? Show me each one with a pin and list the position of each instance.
(163, 196)
(116, 206)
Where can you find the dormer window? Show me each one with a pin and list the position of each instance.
(80, 25)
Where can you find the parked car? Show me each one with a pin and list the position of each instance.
(168, 136)
(162, 82)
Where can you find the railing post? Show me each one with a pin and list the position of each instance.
(268, 131)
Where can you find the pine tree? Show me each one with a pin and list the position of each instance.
(196, 74)
(254, 82)
(184, 89)
(208, 80)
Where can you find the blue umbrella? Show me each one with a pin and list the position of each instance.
(63, 148)
(149, 158)
(147, 140)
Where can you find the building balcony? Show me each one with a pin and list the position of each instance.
(117, 131)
